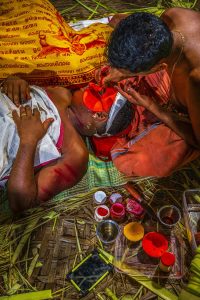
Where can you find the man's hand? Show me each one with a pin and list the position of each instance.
(29, 125)
(101, 73)
(116, 19)
(132, 96)
(107, 75)
(16, 89)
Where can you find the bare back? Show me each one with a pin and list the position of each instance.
(185, 75)
(187, 22)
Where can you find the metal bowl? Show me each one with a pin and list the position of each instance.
(107, 231)
(169, 215)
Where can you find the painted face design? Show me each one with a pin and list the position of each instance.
(82, 116)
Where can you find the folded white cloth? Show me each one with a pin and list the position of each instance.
(9, 140)
(85, 23)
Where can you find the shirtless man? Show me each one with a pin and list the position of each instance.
(29, 186)
(143, 44)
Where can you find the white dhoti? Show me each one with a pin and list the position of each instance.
(9, 139)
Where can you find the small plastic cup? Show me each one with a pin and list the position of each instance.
(115, 198)
(117, 212)
(99, 197)
(101, 213)
(169, 215)
(107, 231)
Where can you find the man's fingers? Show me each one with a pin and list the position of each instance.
(28, 111)
(107, 81)
(15, 94)
(22, 93)
(47, 123)
(22, 111)
(9, 91)
(15, 116)
(4, 88)
(122, 92)
(126, 95)
(28, 93)
(36, 112)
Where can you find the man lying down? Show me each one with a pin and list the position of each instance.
(42, 150)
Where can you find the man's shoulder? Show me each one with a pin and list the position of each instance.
(173, 12)
(195, 75)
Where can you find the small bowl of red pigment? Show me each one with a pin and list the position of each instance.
(169, 215)
(101, 213)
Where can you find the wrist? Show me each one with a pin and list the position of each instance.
(31, 143)
(151, 106)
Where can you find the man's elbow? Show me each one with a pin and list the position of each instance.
(197, 144)
(20, 200)
(81, 165)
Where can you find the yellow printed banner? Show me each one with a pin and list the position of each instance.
(34, 36)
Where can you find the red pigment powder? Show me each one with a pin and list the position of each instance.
(102, 211)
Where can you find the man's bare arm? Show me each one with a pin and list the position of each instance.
(193, 103)
(179, 125)
(26, 189)
(16, 86)
(22, 188)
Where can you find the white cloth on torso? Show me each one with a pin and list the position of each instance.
(9, 139)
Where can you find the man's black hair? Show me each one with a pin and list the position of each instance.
(121, 121)
(139, 42)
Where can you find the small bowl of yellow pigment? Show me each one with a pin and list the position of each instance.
(134, 231)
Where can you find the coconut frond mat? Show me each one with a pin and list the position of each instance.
(38, 249)
(73, 10)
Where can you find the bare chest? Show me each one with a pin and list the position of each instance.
(179, 91)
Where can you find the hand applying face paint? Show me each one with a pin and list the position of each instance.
(128, 91)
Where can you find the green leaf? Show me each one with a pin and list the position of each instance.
(41, 295)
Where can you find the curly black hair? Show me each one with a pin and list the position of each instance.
(139, 42)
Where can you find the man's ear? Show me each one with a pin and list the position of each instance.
(158, 67)
(100, 116)
(162, 66)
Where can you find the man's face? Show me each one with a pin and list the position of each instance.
(86, 121)
(115, 75)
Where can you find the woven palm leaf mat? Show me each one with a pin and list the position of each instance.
(84, 9)
(38, 249)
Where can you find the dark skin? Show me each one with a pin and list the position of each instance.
(183, 67)
(27, 188)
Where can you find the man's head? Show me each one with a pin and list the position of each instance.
(92, 115)
(139, 42)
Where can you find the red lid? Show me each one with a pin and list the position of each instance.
(154, 244)
(168, 259)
